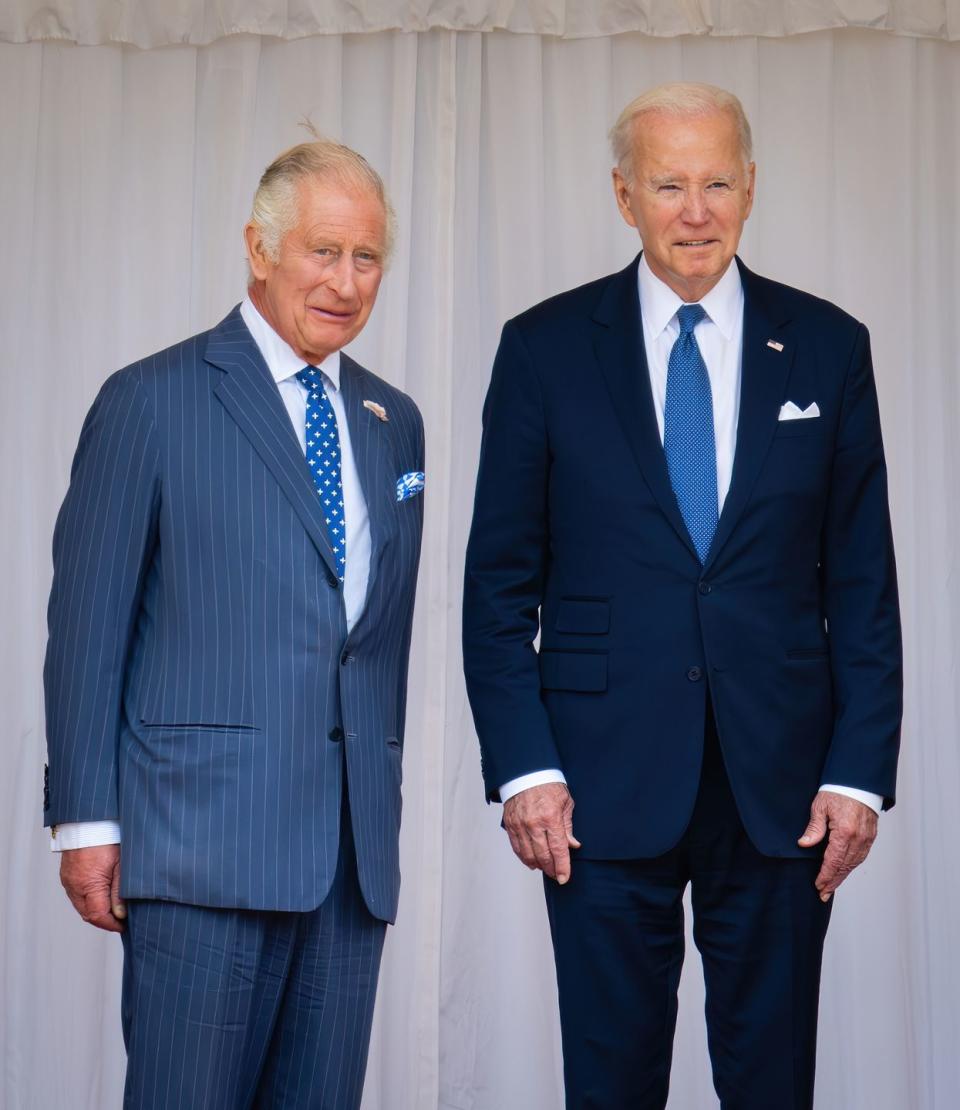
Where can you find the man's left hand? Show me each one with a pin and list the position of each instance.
(852, 828)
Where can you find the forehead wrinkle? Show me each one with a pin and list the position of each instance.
(343, 231)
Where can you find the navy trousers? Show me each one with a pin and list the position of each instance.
(618, 938)
(227, 1009)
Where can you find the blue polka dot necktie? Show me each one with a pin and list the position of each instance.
(323, 458)
(688, 439)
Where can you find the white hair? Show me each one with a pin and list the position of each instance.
(276, 201)
(678, 98)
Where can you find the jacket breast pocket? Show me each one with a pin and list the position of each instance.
(581, 671)
(583, 616)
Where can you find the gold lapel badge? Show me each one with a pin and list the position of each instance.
(770, 343)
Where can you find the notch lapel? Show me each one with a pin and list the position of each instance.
(371, 442)
(620, 352)
(250, 395)
(764, 371)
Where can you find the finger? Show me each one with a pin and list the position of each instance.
(853, 853)
(568, 827)
(836, 866)
(99, 911)
(544, 855)
(814, 832)
(558, 842)
(117, 906)
(528, 852)
(520, 849)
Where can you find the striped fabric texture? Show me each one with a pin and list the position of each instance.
(199, 678)
(232, 1009)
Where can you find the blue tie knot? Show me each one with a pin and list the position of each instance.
(309, 376)
(689, 316)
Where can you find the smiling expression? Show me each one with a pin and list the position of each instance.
(690, 197)
(319, 294)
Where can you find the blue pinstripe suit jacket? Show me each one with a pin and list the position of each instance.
(198, 657)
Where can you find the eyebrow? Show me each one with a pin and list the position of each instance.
(672, 179)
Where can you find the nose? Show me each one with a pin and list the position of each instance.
(695, 208)
(341, 277)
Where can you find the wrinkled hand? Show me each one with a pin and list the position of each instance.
(91, 878)
(852, 828)
(539, 822)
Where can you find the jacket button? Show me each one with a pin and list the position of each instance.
(695, 674)
(332, 581)
(336, 733)
(704, 588)
(346, 658)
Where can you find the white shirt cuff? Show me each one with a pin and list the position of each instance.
(84, 834)
(874, 801)
(524, 782)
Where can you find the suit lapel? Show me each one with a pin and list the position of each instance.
(619, 348)
(763, 377)
(250, 395)
(371, 443)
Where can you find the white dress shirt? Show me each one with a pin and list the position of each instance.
(283, 364)
(719, 336)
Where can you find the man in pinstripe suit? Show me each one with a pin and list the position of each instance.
(225, 678)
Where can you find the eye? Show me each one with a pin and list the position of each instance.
(324, 252)
(668, 188)
(719, 186)
(367, 260)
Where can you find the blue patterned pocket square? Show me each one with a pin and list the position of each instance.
(409, 485)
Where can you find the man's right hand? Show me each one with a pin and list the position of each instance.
(539, 822)
(91, 878)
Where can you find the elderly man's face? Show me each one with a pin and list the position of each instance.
(320, 292)
(690, 196)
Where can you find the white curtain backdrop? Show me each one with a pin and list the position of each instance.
(149, 23)
(126, 178)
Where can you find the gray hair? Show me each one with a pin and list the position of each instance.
(678, 98)
(276, 201)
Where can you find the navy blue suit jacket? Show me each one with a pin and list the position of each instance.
(200, 682)
(791, 626)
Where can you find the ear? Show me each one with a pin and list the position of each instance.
(260, 264)
(621, 190)
(751, 185)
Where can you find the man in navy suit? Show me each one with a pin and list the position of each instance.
(234, 574)
(682, 489)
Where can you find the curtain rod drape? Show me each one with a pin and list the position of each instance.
(151, 23)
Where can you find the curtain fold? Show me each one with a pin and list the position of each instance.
(128, 178)
(150, 23)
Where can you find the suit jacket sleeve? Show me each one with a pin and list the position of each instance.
(860, 594)
(404, 666)
(101, 545)
(505, 572)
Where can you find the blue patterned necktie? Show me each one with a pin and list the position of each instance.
(323, 458)
(688, 439)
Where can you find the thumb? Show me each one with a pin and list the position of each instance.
(815, 831)
(116, 902)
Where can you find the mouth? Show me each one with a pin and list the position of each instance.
(330, 314)
(694, 243)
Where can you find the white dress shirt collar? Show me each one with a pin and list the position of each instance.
(281, 359)
(723, 304)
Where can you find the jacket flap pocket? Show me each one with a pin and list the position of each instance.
(573, 670)
(586, 616)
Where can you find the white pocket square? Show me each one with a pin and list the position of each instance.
(790, 411)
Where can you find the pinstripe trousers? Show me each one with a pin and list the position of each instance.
(226, 1009)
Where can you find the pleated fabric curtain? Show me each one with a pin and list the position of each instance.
(127, 176)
